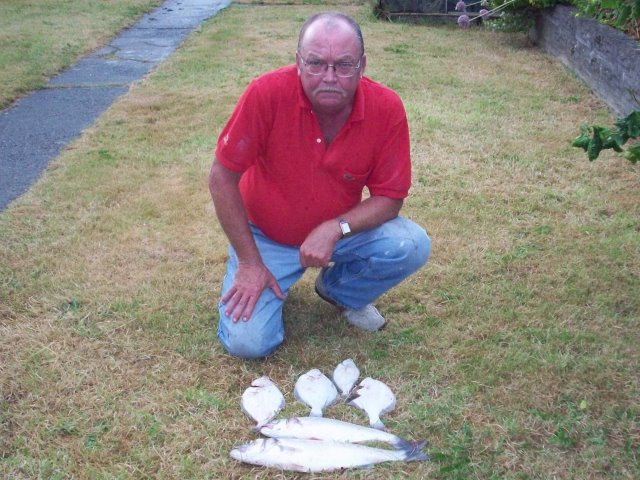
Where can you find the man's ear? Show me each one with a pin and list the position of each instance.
(363, 64)
(299, 63)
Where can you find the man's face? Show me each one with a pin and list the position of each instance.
(332, 43)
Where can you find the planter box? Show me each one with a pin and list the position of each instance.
(605, 58)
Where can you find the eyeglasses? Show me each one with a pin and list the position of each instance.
(343, 69)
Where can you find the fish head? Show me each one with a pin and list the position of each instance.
(251, 450)
(368, 383)
(263, 381)
(349, 363)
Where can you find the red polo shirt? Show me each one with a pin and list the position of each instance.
(290, 181)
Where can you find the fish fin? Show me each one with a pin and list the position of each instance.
(415, 454)
(410, 446)
(378, 425)
(404, 444)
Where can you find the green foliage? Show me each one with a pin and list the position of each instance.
(621, 14)
(595, 138)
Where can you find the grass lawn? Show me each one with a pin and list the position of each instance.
(38, 38)
(515, 351)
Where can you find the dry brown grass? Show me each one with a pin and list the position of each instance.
(514, 351)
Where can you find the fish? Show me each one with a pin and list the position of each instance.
(319, 428)
(262, 401)
(375, 398)
(316, 390)
(345, 376)
(318, 455)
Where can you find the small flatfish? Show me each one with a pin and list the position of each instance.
(375, 398)
(345, 376)
(262, 400)
(316, 390)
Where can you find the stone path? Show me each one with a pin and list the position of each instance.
(38, 126)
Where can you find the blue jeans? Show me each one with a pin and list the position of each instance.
(365, 265)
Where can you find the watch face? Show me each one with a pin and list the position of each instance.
(344, 226)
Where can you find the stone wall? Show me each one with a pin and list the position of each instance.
(605, 58)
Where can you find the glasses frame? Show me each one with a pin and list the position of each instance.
(327, 65)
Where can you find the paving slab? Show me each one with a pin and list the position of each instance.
(36, 127)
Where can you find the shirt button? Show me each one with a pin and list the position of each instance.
(318, 140)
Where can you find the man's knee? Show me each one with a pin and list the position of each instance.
(247, 347)
(251, 339)
(412, 245)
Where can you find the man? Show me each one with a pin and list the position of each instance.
(287, 184)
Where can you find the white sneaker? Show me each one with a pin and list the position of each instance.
(367, 318)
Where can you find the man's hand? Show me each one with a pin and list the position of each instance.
(317, 248)
(249, 282)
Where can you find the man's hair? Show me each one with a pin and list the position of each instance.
(328, 18)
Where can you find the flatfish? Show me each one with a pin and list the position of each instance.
(262, 400)
(375, 398)
(316, 390)
(345, 376)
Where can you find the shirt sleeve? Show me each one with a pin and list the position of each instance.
(391, 175)
(243, 138)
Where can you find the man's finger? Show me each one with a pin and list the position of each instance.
(225, 298)
(277, 290)
(248, 309)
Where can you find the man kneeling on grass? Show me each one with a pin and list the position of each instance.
(287, 184)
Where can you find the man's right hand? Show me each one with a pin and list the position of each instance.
(249, 282)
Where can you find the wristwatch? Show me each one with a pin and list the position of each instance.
(344, 227)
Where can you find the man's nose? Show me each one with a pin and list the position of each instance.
(330, 73)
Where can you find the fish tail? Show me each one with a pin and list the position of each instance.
(403, 444)
(414, 451)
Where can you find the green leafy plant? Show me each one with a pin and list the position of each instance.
(621, 14)
(595, 138)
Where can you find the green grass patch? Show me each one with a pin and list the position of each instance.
(39, 38)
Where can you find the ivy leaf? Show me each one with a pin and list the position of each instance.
(629, 126)
(597, 142)
(609, 3)
(583, 140)
(633, 153)
(614, 140)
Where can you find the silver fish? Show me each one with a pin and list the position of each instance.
(345, 376)
(316, 390)
(375, 398)
(318, 428)
(318, 455)
(262, 400)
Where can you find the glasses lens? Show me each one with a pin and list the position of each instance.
(316, 67)
(346, 69)
(342, 69)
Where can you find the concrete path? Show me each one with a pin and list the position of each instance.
(38, 126)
